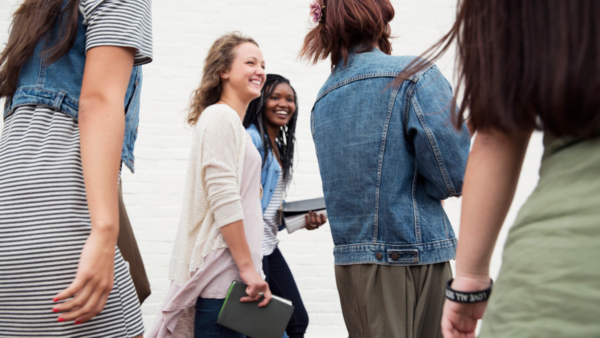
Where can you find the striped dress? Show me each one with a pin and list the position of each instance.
(44, 218)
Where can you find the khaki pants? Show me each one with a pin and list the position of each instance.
(381, 301)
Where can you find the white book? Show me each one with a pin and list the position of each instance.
(296, 222)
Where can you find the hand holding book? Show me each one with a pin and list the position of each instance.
(258, 322)
(309, 214)
(314, 220)
(235, 237)
(256, 287)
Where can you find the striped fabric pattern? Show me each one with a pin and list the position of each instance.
(271, 220)
(44, 224)
(124, 23)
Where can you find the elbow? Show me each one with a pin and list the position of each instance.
(87, 100)
(93, 104)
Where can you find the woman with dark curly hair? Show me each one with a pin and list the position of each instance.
(271, 122)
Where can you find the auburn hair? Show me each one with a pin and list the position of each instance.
(220, 57)
(350, 23)
(33, 21)
(525, 64)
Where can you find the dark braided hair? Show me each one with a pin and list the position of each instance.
(286, 139)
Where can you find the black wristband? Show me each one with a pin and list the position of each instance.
(468, 297)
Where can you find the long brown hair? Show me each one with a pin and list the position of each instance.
(32, 21)
(346, 24)
(219, 58)
(524, 61)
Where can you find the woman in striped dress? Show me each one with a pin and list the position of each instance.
(71, 78)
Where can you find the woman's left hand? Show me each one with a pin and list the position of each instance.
(314, 220)
(459, 320)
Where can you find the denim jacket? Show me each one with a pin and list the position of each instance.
(58, 86)
(387, 156)
(270, 172)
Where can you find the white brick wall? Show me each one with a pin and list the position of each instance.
(183, 32)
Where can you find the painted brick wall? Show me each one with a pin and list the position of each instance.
(183, 32)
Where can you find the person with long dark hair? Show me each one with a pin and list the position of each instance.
(71, 77)
(271, 122)
(388, 155)
(527, 65)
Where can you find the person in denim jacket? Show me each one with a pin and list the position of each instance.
(271, 122)
(388, 154)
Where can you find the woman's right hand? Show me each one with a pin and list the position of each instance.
(93, 281)
(314, 220)
(257, 287)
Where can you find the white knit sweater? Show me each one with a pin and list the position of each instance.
(211, 196)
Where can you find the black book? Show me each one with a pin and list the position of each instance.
(253, 321)
(302, 207)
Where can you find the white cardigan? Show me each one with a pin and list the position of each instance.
(211, 196)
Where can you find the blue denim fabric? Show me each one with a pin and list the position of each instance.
(282, 284)
(205, 323)
(387, 156)
(270, 172)
(58, 86)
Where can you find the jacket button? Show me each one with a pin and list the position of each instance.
(379, 255)
(396, 256)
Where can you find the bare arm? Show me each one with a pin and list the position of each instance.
(102, 128)
(491, 179)
(235, 237)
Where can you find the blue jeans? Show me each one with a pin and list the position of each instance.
(205, 324)
(282, 284)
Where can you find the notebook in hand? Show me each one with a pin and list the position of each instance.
(253, 321)
(293, 212)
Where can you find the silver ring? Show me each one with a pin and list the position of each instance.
(261, 294)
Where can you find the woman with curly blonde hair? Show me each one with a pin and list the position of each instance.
(220, 231)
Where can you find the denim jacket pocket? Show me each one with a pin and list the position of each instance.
(402, 256)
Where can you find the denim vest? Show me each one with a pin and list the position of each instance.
(58, 86)
(387, 156)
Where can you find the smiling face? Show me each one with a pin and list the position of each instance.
(247, 73)
(280, 106)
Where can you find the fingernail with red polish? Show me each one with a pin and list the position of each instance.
(61, 319)
(77, 322)
(55, 300)
(55, 310)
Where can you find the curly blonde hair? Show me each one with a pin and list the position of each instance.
(219, 58)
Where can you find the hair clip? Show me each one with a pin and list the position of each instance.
(316, 11)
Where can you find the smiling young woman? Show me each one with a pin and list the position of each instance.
(271, 122)
(220, 231)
